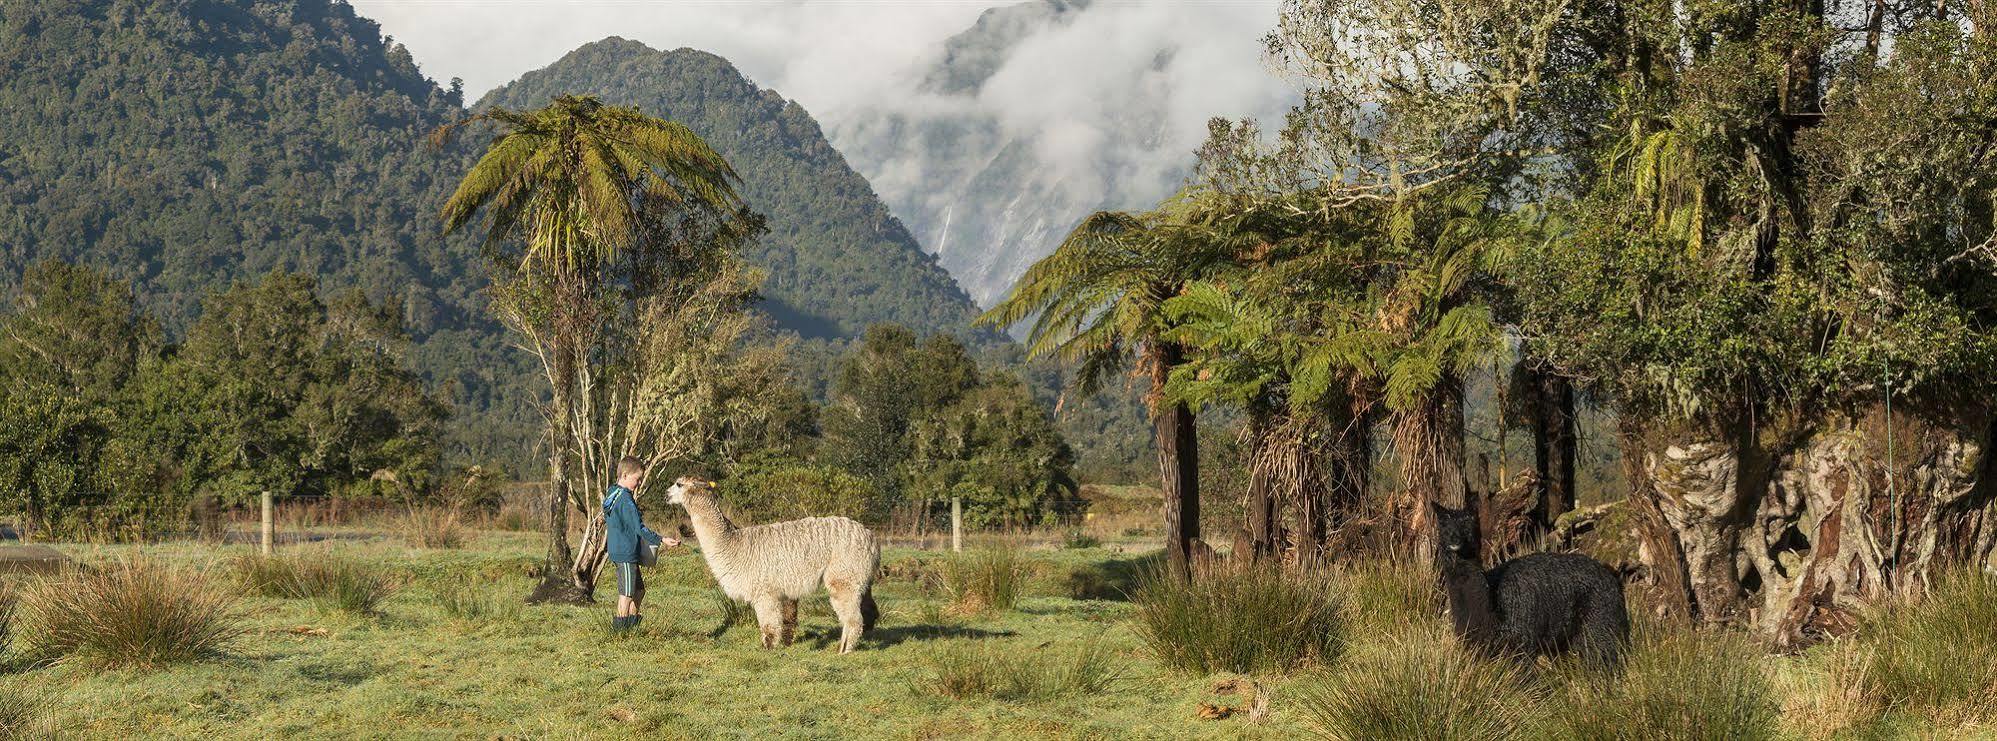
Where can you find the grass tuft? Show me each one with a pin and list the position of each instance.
(19, 712)
(1001, 671)
(1420, 684)
(473, 606)
(1237, 620)
(438, 528)
(1936, 657)
(344, 584)
(985, 580)
(134, 613)
(1679, 684)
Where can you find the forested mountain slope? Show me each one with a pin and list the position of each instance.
(838, 260)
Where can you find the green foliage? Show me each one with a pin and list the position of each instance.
(777, 490)
(989, 669)
(1421, 685)
(921, 422)
(131, 613)
(1243, 620)
(840, 261)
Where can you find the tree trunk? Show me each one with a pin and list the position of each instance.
(1870, 506)
(1554, 437)
(1178, 461)
(1670, 585)
(1259, 516)
(1428, 441)
(558, 578)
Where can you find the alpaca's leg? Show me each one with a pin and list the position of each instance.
(769, 617)
(790, 622)
(845, 595)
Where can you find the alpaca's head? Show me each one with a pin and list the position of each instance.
(1455, 532)
(688, 486)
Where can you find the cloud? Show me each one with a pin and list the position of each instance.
(1039, 113)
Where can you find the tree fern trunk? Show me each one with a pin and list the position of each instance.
(1178, 461)
(1428, 441)
(1554, 436)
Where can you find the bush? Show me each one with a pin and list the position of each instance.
(129, 613)
(330, 581)
(1077, 540)
(1421, 685)
(1937, 656)
(999, 671)
(433, 527)
(778, 490)
(1678, 684)
(984, 579)
(1241, 620)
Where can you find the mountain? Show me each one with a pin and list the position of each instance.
(838, 259)
(976, 186)
(188, 144)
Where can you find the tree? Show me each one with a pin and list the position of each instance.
(1099, 300)
(74, 328)
(1776, 262)
(591, 192)
(884, 389)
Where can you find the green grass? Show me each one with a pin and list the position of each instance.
(338, 582)
(455, 654)
(1420, 686)
(985, 579)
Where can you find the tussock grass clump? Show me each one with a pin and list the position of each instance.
(473, 606)
(8, 599)
(438, 528)
(331, 581)
(1078, 540)
(1001, 671)
(1679, 684)
(1241, 620)
(1423, 685)
(129, 613)
(985, 579)
(19, 712)
(1389, 594)
(1935, 657)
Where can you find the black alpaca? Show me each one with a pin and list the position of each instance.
(1538, 605)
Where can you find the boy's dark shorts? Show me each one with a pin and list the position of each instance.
(629, 582)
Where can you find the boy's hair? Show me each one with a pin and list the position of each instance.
(628, 467)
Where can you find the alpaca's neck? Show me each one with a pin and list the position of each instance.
(709, 525)
(1469, 595)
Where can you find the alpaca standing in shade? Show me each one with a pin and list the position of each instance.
(1543, 604)
(773, 566)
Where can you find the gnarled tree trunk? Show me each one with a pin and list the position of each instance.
(1178, 461)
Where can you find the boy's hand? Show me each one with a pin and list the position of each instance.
(669, 542)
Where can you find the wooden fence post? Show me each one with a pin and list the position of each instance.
(956, 524)
(269, 525)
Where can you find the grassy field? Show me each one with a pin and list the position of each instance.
(480, 665)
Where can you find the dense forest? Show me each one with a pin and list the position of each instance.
(188, 146)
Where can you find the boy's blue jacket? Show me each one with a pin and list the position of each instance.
(624, 526)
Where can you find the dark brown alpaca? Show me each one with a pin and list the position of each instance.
(1543, 604)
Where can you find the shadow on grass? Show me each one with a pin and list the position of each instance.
(1114, 579)
(897, 635)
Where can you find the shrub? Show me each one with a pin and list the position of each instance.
(1936, 656)
(330, 581)
(1677, 684)
(984, 579)
(433, 527)
(1241, 620)
(129, 613)
(1420, 685)
(999, 671)
(1077, 540)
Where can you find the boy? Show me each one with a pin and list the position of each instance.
(624, 528)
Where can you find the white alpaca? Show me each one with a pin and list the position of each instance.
(773, 566)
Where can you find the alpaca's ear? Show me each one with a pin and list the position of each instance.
(1437, 509)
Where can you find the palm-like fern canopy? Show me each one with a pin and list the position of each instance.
(575, 176)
